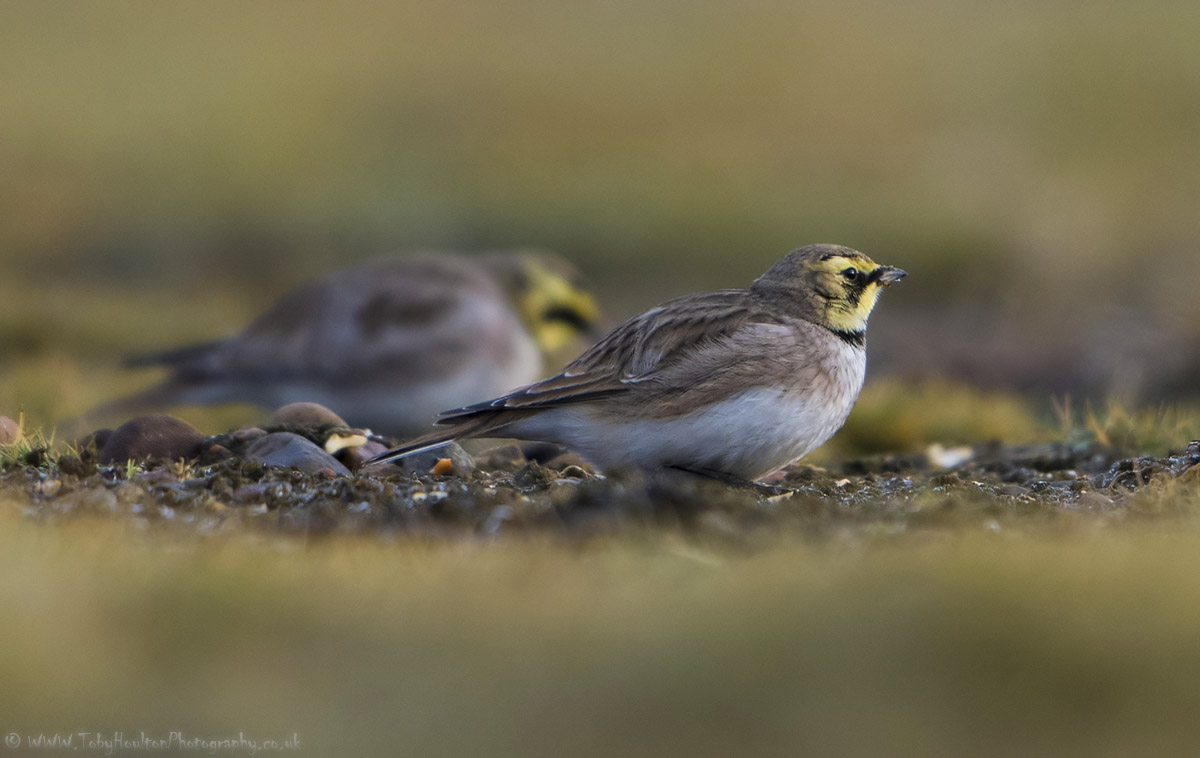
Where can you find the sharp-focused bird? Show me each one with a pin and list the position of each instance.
(735, 384)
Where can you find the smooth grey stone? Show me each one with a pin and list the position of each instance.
(293, 451)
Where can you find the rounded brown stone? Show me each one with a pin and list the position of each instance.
(155, 437)
(306, 415)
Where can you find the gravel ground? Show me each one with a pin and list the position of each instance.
(232, 484)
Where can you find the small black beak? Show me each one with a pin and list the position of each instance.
(886, 275)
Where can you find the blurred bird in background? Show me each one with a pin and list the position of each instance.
(389, 344)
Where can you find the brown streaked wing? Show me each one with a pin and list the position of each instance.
(634, 352)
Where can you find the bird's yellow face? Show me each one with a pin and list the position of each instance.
(849, 285)
(553, 306)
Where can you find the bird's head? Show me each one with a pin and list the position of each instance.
(831, 285)
(548, 295)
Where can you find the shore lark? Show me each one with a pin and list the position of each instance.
(733, 384)
(388, 344)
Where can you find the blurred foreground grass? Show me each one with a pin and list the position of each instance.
(1072, 640)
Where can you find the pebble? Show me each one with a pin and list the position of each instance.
(247, 433)
(461, 462)
(213, 453)
(356, 457)
(293, 451)
(154, 437)
(10, 431)
(306, 415)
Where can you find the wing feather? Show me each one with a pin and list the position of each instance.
(638, 351)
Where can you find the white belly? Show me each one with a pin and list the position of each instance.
(752, 434)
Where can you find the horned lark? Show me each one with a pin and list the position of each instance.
(735, 383)
(390, 343)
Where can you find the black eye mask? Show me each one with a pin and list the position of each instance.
(566, 316)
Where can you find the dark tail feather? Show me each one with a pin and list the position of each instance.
(478, 426)
(176, 357)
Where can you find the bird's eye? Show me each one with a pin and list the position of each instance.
(851, 274)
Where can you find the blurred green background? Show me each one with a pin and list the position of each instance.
(167, 169)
